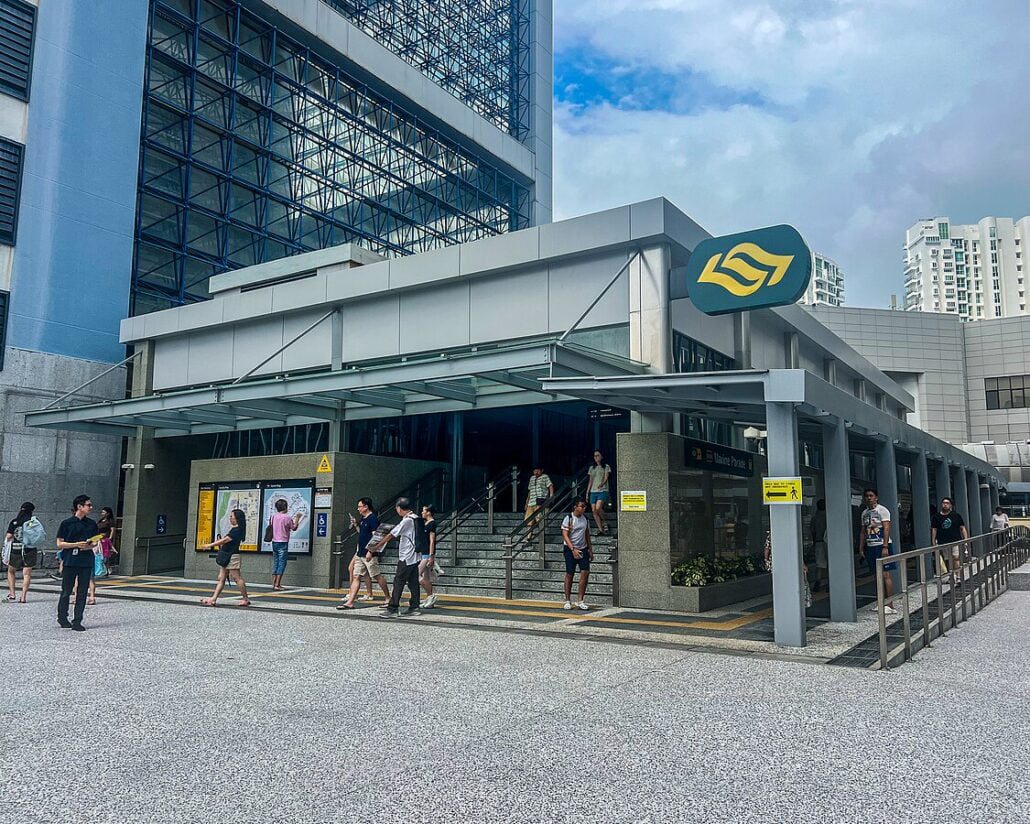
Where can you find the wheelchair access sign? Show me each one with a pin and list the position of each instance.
(781, 491)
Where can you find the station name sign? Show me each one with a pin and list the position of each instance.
(748, 270)
(704, 455)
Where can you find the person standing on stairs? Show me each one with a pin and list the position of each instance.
(540, 489)
(599, 475)
(579, 552)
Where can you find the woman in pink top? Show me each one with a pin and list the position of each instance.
(282, 525)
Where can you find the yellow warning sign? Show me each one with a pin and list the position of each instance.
(781, 491)
(324, 465)
(633, 501)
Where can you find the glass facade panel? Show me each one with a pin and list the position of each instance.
(255, 148)
(476, 49)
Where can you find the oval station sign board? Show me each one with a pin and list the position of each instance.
(747, 270)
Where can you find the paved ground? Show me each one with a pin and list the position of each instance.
(168, 713)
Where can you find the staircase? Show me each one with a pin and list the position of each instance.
(480, 568)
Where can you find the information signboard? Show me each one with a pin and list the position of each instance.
(633, 500)
(298, 496)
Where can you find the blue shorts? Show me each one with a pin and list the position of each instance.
(874, 552)
(279, 549)
(571, 561)
(598, 496)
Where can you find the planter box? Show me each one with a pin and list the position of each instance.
(713, 596)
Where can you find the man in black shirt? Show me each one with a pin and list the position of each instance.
(76, 538)
(948, 527)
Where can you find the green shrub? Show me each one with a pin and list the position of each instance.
(702, 570)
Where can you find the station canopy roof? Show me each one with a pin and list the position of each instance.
(481, 377)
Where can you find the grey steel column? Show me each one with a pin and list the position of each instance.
(785, 524)
(943, 479)
(837, 483)
(921, 506)
(976, 526)
(995, 496)
(985, 502)
(887, 489)
(961, 495)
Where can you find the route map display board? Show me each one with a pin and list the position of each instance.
(245, 496)
(298, 495)
(257, 500)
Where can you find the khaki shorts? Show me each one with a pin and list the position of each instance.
(235, 561)
(369, 565)
(426, 571)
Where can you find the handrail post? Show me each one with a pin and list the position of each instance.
(514, 488)
(925, 594)
(509, 560)
(490, 508)
(542, 536)
(906, 618)
(454, 537)
(881, 618)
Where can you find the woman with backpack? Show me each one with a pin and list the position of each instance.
(24, 534)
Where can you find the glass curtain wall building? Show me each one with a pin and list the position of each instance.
(255, 146)
(148, 145)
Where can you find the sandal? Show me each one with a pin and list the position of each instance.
(344, 605)
(243, 604)
(11, 598)
(91, 602)
(208, 602)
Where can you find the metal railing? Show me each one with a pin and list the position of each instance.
(974, 578)
(483, 501)
(433, 481)
(175, 543)
(533, 530)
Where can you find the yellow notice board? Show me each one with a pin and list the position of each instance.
(205, 514)
(781, 491)
(324, 465)
(633, 500)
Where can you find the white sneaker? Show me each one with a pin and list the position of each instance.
(583, 606)
(568, 605)
(889, 610)
(430, 602)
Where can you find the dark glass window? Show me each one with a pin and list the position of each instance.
(476, 49)
(688, 355)
(10, 185)
(1012, 392)
(255, 148)
(17, 22)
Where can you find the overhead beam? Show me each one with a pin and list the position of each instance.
(442, 390)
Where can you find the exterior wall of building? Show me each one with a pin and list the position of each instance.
(925, 351)
(974, 271)
(67, 271)
(276, 128)
(998, 349)
(827, 285)
(69, 285)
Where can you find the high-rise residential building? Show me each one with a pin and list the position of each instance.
(972, 270)
(826, 287)
(148, 145)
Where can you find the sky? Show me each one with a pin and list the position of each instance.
(850, 119)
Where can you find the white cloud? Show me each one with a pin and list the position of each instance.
(877, 114)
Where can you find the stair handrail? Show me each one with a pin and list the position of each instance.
(517, 541)
(412, 491)
(482, 500)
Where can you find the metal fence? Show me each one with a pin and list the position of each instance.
(956, 581)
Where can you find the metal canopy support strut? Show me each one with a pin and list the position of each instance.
(785, 524)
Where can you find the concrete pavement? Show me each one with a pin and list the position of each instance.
(167, 714)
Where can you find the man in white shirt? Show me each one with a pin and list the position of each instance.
(874, 541)
(579, 552)
(407, 561)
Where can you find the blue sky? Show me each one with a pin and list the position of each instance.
(851, 119)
